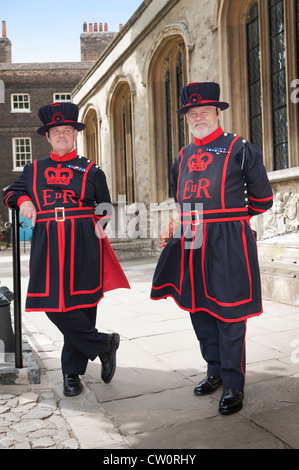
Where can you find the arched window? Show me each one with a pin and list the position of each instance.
(166, 77)
(91, 137)
(261, 63)
(121, 112)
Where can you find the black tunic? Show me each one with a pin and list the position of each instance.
(68, 243)
(211, 262)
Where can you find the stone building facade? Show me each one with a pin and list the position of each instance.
(129, 99)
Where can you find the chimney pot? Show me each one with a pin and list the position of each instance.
(106, 27)
(101, 26)
(84, 27)
(3, 29)
(95, 27)
(90, 27)
(120, 27)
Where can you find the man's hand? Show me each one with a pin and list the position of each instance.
(28, 211)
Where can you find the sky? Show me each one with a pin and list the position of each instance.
(50, 31)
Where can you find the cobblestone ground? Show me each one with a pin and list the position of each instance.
(33, 421)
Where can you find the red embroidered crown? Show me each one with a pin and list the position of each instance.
(199, 161)
(58, 175)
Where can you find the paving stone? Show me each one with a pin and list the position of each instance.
(70, 444)
(28, 397)
(42, 443)
(37, 413)
(23, 445)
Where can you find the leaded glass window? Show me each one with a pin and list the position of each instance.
(254, 80)
(278, 76)
(180, 84)
(297, 28)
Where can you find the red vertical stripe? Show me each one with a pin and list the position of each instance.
(34, 184)
(243, 352)
(61, 251)
(47, 281)
(224, 172)
(178, 183)
(191, 271)
(84, 183)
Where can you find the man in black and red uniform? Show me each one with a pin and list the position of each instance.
(71, 263)
(210, 265)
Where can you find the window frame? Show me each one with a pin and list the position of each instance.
(163, 77)
(62, 100)
(121, 108)
(15, 153)
(233, 23)
(20, 110)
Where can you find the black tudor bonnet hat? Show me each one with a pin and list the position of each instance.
(201, 94)
(59, 114)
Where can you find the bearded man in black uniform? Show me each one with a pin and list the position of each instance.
(210, 265)
(71, 262)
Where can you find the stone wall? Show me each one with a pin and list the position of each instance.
(278, 239)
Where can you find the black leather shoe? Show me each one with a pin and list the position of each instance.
(231, 401)
(208, 385)
(109, 358)
(72, 385)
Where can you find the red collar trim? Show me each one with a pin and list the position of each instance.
(64, 158)
(206, 140)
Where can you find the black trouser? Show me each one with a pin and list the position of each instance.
(82, 341)
(222, 346)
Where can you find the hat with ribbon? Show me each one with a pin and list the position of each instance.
(201, 94)
(59, 114)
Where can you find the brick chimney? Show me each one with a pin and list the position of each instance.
(94, 40)
(5, 46)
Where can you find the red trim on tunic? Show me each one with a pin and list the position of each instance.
(224, 172)
(261, 199)
(23, 199)
(6, 197)
(47, 289)
(179, 175)
(257, 210)
(61, 254)
(206, 140)
(34, 184)
(227, 304)
(179, 290)
(84, 183)
(72, 266)
(228, 320)
(65, 157)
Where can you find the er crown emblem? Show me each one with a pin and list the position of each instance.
(199, 161)
(58, 175)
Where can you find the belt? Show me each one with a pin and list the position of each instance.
(60, 214)
(196, 217)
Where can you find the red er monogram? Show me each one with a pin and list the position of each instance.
(198, 190)
(198, 162)
(65, 196)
